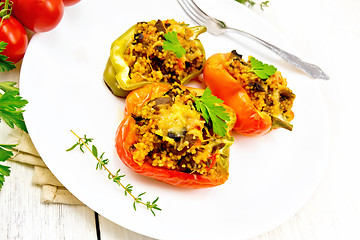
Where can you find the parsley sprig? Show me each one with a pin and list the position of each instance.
(172, 43)
(117, 178)
(5, 65)
(262, 70)
(213, 114)
(5, 154)
(11, 105)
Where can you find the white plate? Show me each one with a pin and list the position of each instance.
(271, 177)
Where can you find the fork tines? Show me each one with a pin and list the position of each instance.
(193, 11)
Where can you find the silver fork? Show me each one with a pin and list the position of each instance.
(216, 27)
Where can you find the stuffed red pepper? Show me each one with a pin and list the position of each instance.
(164, 136)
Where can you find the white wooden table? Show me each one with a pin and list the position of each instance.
(325, 32)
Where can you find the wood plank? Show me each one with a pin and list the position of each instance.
(22, 216)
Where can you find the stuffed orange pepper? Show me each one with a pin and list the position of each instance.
(255, 91)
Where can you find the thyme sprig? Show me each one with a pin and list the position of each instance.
(117, 178)
(251, 3)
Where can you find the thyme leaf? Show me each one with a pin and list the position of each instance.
(251, 3)
(117, 178)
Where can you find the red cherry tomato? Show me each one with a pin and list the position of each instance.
(38, 15)
(14, 34)
(68, 3)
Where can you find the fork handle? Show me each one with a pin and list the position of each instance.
(311, 69)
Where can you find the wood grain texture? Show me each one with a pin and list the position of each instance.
(22, 216)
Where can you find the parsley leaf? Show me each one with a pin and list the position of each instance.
(212, 113)
(172, 43)
(263, 71)
(8, 86)
(3, 46)
(10, 106)
(4, 64)
(5, 154)
(11, 112)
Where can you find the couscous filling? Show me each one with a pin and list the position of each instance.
(147, 59)
(172, 134)
(271, 95)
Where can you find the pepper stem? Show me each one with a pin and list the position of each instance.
(281, 123)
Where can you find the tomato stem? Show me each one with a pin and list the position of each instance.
(6, 8)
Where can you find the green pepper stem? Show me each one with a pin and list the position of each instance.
(281, 123)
